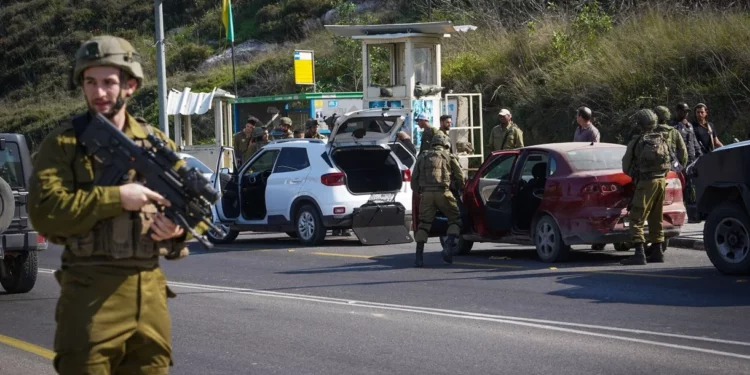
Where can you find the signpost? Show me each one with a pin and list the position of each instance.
(304, 68)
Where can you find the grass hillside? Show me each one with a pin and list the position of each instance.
(540, 59)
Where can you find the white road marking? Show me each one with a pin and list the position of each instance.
(527, 322)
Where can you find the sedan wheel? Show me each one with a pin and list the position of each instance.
(549, 244)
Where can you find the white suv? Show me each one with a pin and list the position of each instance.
(358, 179)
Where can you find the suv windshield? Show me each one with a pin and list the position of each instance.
(377, 124)
(10, 166)
(197, 164)
(596, 158)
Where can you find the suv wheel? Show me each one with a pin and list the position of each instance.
(727, 239)
(22, 270)
(549, 244)
(310, 229)
(230, 236)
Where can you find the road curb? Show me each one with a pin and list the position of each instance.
(687, 243)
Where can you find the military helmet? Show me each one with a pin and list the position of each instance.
(662, 114)
(440, 139)
(285, 121)
(108, 51)
(311, 122)
(258, 132)
(646, 119)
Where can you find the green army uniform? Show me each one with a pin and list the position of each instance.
(433, 174)
(674, 138)
(647, 161)
(427, 134)
(309, 125)
(508, 138)
(112, 314)
(255, 146)
(242, 143)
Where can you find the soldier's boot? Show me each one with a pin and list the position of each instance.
(656, 256)
(639, 259)
(448, 249)
(419, 262)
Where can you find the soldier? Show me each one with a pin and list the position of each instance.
(445, 124)
(434, 172)
(260, 139)
(507, 135)
(427, 132)
(311, 129)
(286, 128)
(243, 138)
(647, 161)
(112, 313)
(674, 138)
(299, 134)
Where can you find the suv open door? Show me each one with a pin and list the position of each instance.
(226, 181)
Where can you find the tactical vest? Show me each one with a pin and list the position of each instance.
(121, 238)
(435, 171)
(653, 157)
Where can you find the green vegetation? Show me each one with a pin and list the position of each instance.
(542, 59)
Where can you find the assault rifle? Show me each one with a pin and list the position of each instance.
(188, 191)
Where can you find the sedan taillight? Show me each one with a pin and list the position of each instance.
(406, 175)
(333, 179)
(673, 191)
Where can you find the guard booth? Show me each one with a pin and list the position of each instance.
(185, 104)
(401, 66)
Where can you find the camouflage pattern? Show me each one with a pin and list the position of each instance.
(505, 138)
(111, 51)
(112, 313)
(434, 172)
(427, 135)
(648, 205)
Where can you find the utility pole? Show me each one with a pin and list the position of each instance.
(161, 71)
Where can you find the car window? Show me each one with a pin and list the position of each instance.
(596, 158)
(197, 164)
(552, 165)
(500, 169)
(292, 159)
(263, 163)
(531, 161)
(10, 166)
(403, 154)
(370, 124)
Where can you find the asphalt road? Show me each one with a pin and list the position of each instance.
(264, 305)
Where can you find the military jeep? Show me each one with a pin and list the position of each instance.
(722, 183)
(19, 242)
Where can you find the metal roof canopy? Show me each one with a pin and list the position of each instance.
(443, 28)
(303, 96)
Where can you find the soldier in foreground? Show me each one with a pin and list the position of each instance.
(286, 128)
(112, 314)
(647, 161)
(434, 172)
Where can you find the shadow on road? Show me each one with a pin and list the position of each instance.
(589, 275)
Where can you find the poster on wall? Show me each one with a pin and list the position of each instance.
(419, 107)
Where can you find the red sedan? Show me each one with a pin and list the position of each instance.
(553, 196)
